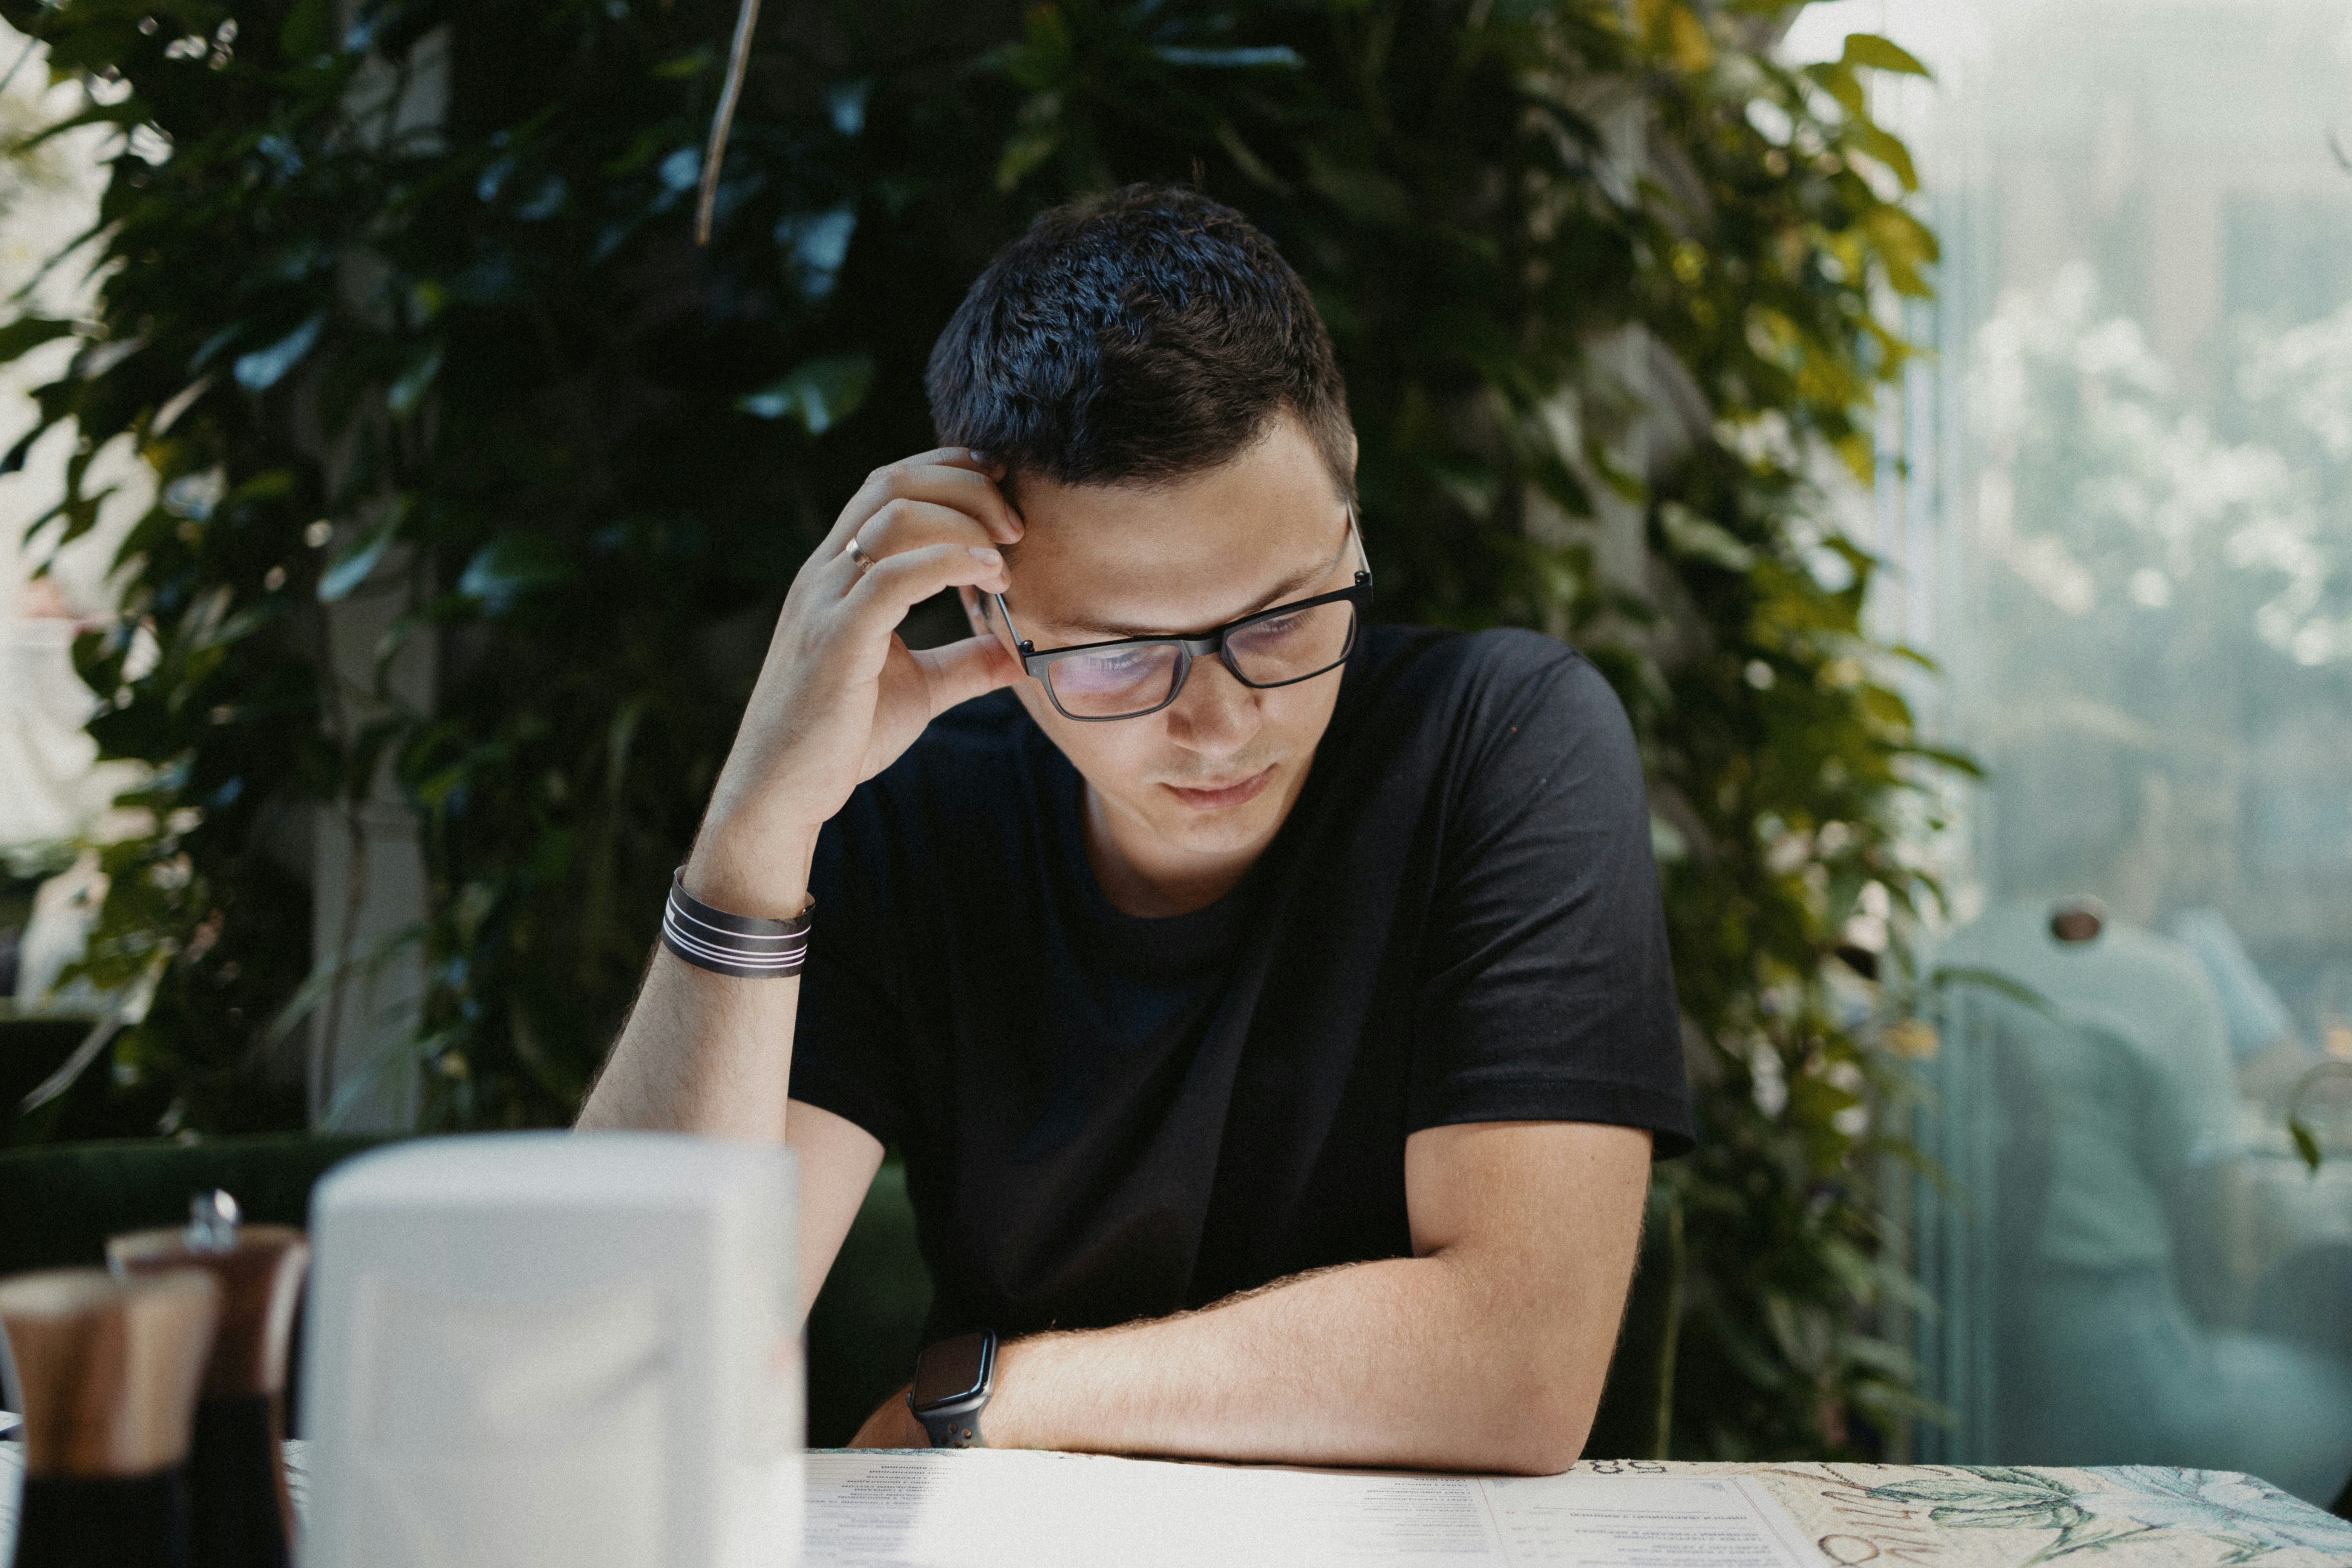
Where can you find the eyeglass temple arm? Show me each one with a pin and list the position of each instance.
(1024, 643)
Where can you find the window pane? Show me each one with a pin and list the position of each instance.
(2123, 521)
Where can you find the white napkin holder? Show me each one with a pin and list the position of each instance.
(556, 1351)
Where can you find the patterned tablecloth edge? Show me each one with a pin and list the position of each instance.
(1980, 1516)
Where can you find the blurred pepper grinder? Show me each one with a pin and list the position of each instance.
(108, 1370)
(239, 1514)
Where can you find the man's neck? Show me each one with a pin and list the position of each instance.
(1145, 877)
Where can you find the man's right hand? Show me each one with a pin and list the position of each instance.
(840, 696)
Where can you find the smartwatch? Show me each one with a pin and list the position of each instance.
(952, 1382)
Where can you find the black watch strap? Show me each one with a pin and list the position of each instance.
(954, 1382)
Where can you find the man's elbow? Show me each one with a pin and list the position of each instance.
(1533, 1368)
(1538, 1425)
(1542, 1448)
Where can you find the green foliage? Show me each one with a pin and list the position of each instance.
(1594, 272)
(2307, 1145)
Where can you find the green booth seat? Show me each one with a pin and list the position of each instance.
(58, 1203)
(868, 1322)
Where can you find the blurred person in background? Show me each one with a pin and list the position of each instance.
(2119, 1216)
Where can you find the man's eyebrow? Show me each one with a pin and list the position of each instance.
(1283, 590)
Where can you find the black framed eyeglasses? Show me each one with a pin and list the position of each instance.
(1132, 677)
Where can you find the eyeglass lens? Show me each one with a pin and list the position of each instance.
(1139, 677)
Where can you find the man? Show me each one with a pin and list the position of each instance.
(2122, 1155)
(1275, 1017)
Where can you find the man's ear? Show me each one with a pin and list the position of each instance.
(975, 608)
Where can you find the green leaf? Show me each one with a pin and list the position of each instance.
(1233, 60)
(2304, 1143)
(28, 332)
(1023, 155)
(1861, 458)
(1251, 164)
(385, 1059)
(1038, 133)
(1694, 538)
(1897, 232)
(270, 484)
(1365, 195)
(127, 112)
(209, 350)
(1470, 483)
(305, 35)
(1943, 757)
(1614, 474)
(819, 392)
(1994, 981)
(351, 568)
(817, 244)
(845, 106)
(266, 367)
(1842, 84)
(512, 565)
(1882, 54)
(1687, 41)
(686, 66)
(1047, 50)
(406, 394)
(1869, 140)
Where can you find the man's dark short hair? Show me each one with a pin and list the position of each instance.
(1138, 338)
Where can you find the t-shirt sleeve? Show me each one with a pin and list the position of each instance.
(1549, 993)
(846, 1039)
(2197, 1087)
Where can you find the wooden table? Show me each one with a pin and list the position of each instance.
(1954, 1517)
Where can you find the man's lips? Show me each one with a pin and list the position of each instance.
(1227, 796)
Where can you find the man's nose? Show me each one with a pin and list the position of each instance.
(1214, 715)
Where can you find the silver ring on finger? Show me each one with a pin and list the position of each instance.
(857, 553)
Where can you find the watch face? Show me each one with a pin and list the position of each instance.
(951, 1369)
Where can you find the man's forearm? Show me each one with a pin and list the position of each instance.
(700, 1053)
(711, 1053)
(1437, 1362)
(838, 697)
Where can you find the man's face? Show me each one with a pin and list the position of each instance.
(1212, 775)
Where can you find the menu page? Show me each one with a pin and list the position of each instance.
(1645, 1521)
(982, 1508)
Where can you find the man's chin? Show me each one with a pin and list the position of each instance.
(1219, 831)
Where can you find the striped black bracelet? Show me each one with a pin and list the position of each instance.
(738, 946)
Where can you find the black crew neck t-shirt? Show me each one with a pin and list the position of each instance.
(1106, 1118)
